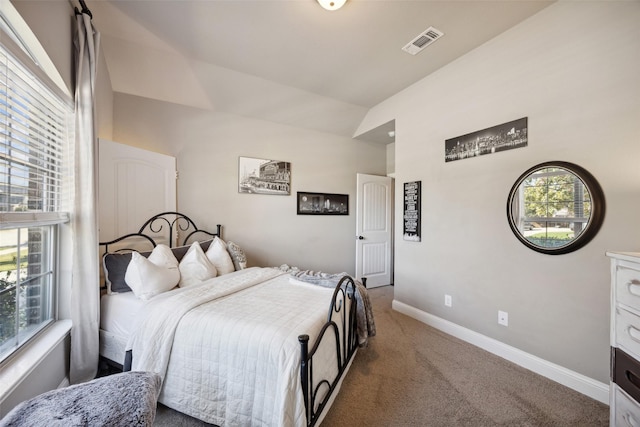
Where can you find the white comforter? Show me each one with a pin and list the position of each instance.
(228, 349)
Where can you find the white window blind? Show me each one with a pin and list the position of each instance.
(33, 140)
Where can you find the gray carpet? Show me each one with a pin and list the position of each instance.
(414, 375)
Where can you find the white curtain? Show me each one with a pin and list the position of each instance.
(85, 292)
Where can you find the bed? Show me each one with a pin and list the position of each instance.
(249, 346)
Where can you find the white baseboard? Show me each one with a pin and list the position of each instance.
(578, 382)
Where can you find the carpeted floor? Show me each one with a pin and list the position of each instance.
(414, 375)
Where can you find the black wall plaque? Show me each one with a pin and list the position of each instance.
(412, 197)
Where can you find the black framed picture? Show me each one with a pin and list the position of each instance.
(264, 176)
(506, 136)
(322, 204)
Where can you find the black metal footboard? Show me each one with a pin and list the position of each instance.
(317, 392)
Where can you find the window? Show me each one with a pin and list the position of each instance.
(34, 153)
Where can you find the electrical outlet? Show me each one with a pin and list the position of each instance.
(503, 318)
(447, 300)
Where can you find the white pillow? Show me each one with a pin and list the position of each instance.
(195, 267)
(218, 255)
(148, 277)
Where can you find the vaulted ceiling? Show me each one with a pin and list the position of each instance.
(289, 61)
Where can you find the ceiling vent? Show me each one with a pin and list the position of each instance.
(423, 40)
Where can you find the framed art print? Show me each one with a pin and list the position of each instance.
(262, 176)
(322, 204)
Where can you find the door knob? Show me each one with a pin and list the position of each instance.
(360, 238)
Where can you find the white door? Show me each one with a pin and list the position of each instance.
(134, 185)
(374, 219)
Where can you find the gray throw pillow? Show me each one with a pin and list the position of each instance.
(237, 256)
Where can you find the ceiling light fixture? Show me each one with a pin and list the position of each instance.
(332, 4)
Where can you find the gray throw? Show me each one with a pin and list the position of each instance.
(126, 399)
(364, 312)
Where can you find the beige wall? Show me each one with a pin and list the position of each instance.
(207, 146)
(391, 159)
(104, 101)
(52, 22)
(51, 372)
(573, 70)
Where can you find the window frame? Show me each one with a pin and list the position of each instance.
(49, 314)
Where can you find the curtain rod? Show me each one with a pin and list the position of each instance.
(85, 9)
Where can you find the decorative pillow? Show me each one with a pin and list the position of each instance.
(148, 277)
(115, 266)
(237, 256)
(195, 267)
(218, 255)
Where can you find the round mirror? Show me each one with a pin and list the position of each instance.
(555, 207)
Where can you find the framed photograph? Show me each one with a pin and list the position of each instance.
(262, 176)
(506, 136)
(322, 204)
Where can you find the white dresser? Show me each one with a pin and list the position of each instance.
(625, 339)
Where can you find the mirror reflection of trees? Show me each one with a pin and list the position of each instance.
(555, 207)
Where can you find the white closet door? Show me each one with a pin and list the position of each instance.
(374, 232)
(134, 185)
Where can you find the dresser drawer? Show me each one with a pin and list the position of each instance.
(626, 373)
(628, 287)
(625, 412)
(627, 331)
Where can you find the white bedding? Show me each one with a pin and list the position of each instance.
(117, 313)
(228, 349)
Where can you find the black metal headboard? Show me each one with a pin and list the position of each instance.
(177, 225)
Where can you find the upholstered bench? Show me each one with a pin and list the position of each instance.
(125, 399)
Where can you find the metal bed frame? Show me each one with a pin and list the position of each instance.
(346, 338)
(175, 222)
(317, 392)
